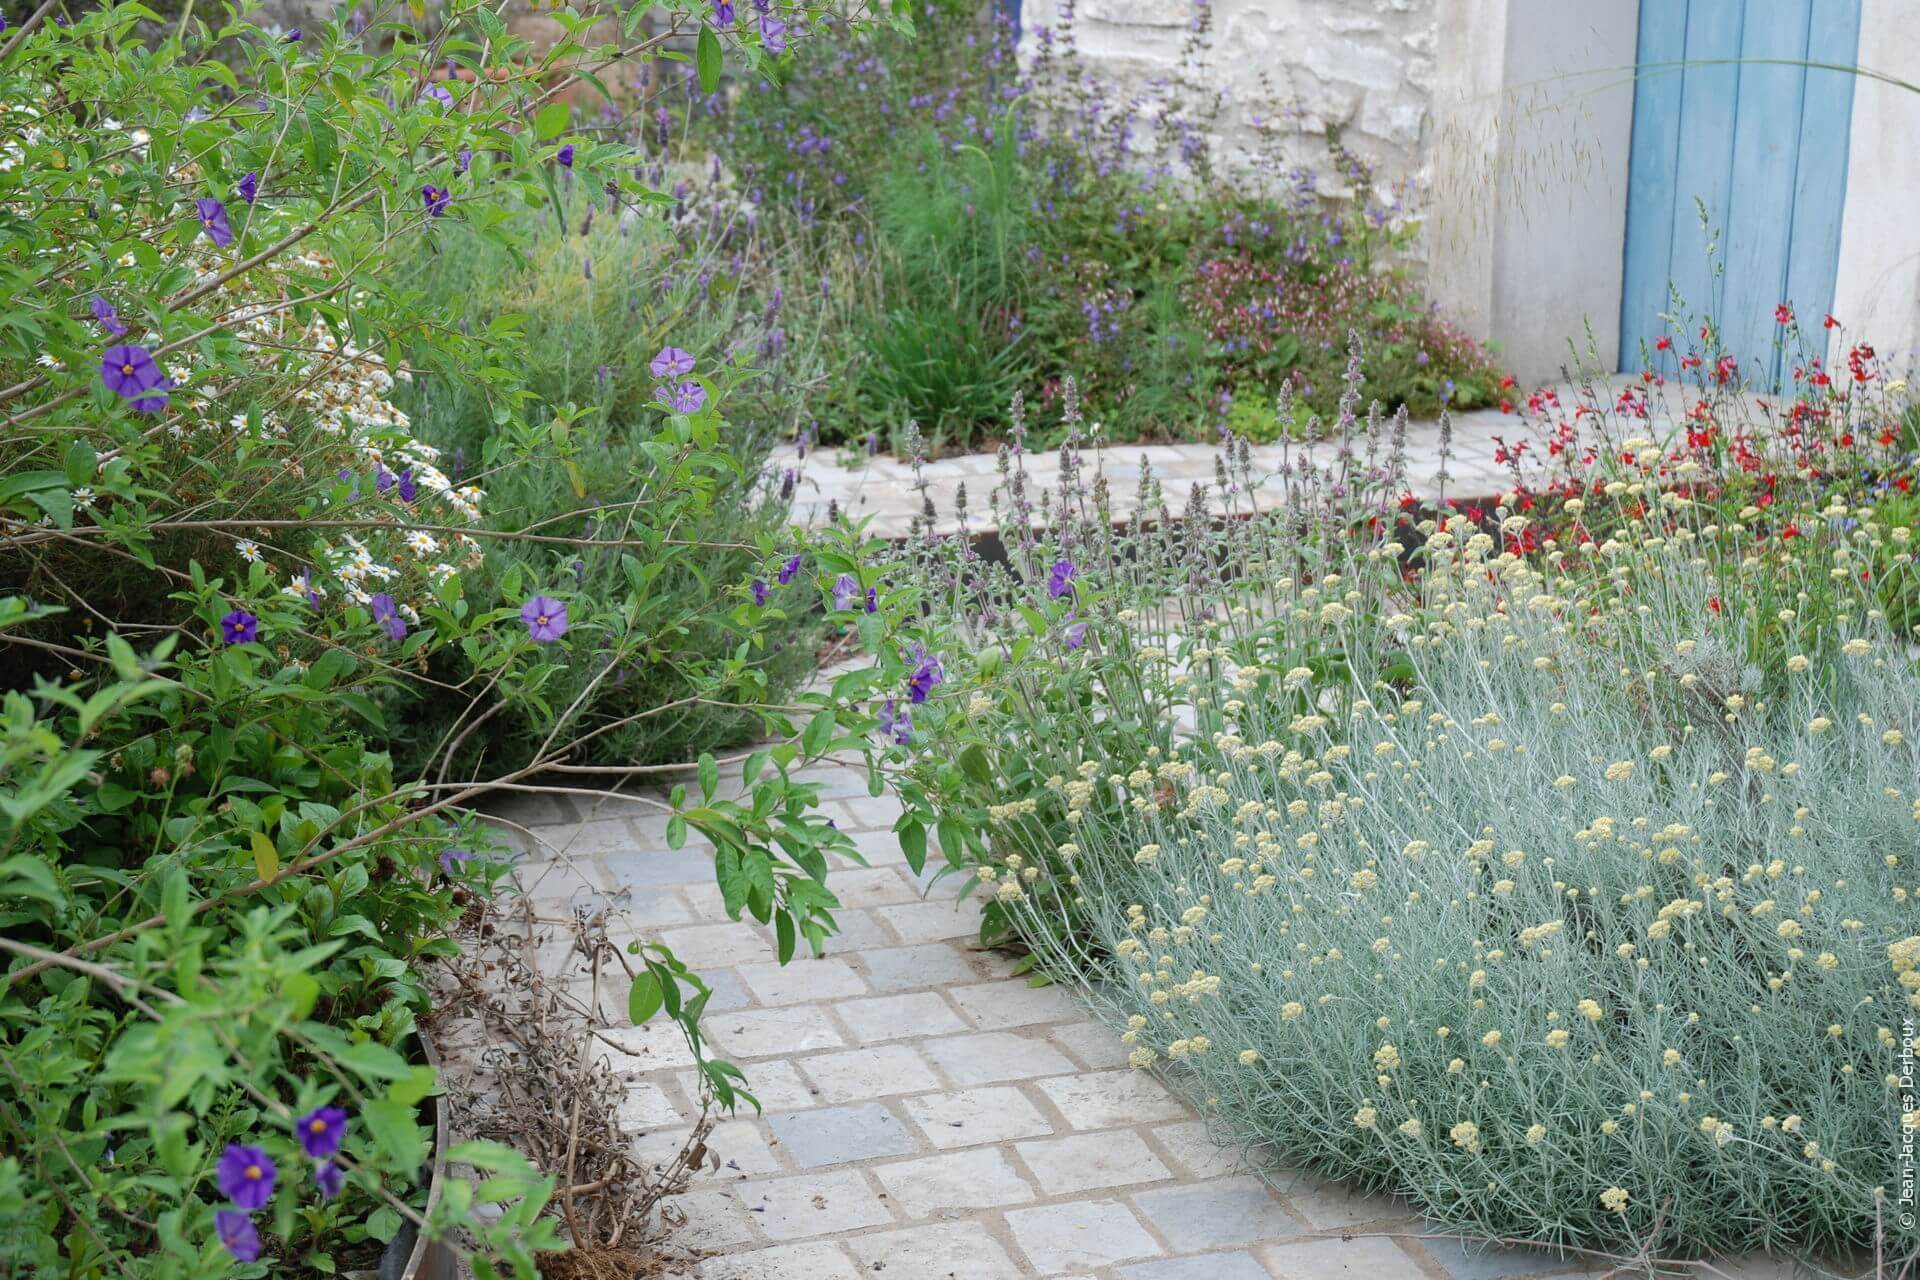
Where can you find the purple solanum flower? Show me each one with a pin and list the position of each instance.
(108, 318)
(773, 34)
(684, 397)
(245, 1175)
(240, 627)
(464, 160)
(1076, 634)
(237, 1234)
(382, 478)
(1060, 581)
(213, 220)
(435, 199)
(896, 722)
(723, 13)
(873, 600)
(330, 1178)
(408, 489)
(546, 618)
(387, 614)
(760, 591)
(438, 93)
(565, 156)
(926, 675)
(321, 1131)
(292, 37)
(130, 371)
(249, 188)
(789, 570)
(672, 362)
(846, 592)
(150, 404)
(451, 860)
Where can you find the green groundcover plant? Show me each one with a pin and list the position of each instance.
(229, 564)
(1550, 863)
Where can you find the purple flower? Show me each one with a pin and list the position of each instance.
(388, 615)
(321, 1131)
(240, 627)
(773, 34)
(304, 584)
(672, 362)
(213, 219)
(789, 570)
(109, 318)
(382, 478)
(150, 404)
(1076, 634)
(130, 371)
(759, 589)
(464, 160)
(925, 676)
(292, 37)
(565, 156)
(408, 489)
(451, 860)
(846, 592)
(440, 94)
(873, 600)
(1059, 582)
(329, 1177)
(249, 187)
(723, 12)
(435, 199)
(245, 1175)
(685, 397)
(237, 1233)
(546, 618)
(896, 722)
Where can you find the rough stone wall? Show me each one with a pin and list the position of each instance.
(1292, 70)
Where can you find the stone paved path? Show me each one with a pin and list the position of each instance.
(883, 487)
(927, 1115)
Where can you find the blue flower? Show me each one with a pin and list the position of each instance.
(1060, 582)
(759, 589)
(925, 676)
(896, 722)
(788, 570)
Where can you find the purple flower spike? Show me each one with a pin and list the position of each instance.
(546, 619)
(130, 371)
(245, 1175)
(249, 187)
(759, 589)
(321, 1131)
(240, 627)
(435, 199)
(237, 1234)
(108, 318)
(565, 156)
(330, 1178)
(789, 570)
(1059, 583)
(846, 592)
(451, 860)
(213, 219)
(672, 362)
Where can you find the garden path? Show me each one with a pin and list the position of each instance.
(928, 1115)
(883, 487)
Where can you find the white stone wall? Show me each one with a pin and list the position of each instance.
(1292, 69)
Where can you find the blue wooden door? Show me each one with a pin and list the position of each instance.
(1729, 117)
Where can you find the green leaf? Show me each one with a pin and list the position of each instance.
(783, 929)
(81, 461)
(818, 733)
(913, 843)
(644, 999)
(266, 858)
(552, 119)
(709, 775)
(707, 60)
(396, 1132)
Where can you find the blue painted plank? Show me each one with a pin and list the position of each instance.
(1652, 162)
(1820, 186)
(1759, 223)
(1708, 97)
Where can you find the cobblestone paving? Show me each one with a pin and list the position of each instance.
(928, 1116)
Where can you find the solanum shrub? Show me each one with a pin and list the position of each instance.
(1549, 861)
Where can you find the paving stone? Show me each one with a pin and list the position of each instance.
(739, 1144)
(938, 964)
(969, 1117)
(1095, 1046)
(1330, 1258)
(1465, 1262)
(995, 1006)
(875, 1072)
(1327, 1205)
(713, 946)
(993, 1056)
(642, 912)
(802, 979)
(853, 932)
(1085, 1233)
(813, 1204)
(932, 921)
(866, 812)
(895, 1017)
(980, 1179)
(600, 835)
(1091, 1162)
(713, 1220)
(766, 1033)
(961, 1250)
(840, 1135)
(666, 867)
(774, 1082)
(1212, 1266)
(817, 1261)
(1195, 1153)
(879, 847)
(1104, 1099)
(729, 992)
(1226, 1211)
(646, 1106)
(658, 1046)
(872, 887)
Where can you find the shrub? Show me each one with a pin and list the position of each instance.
(1487, 861)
